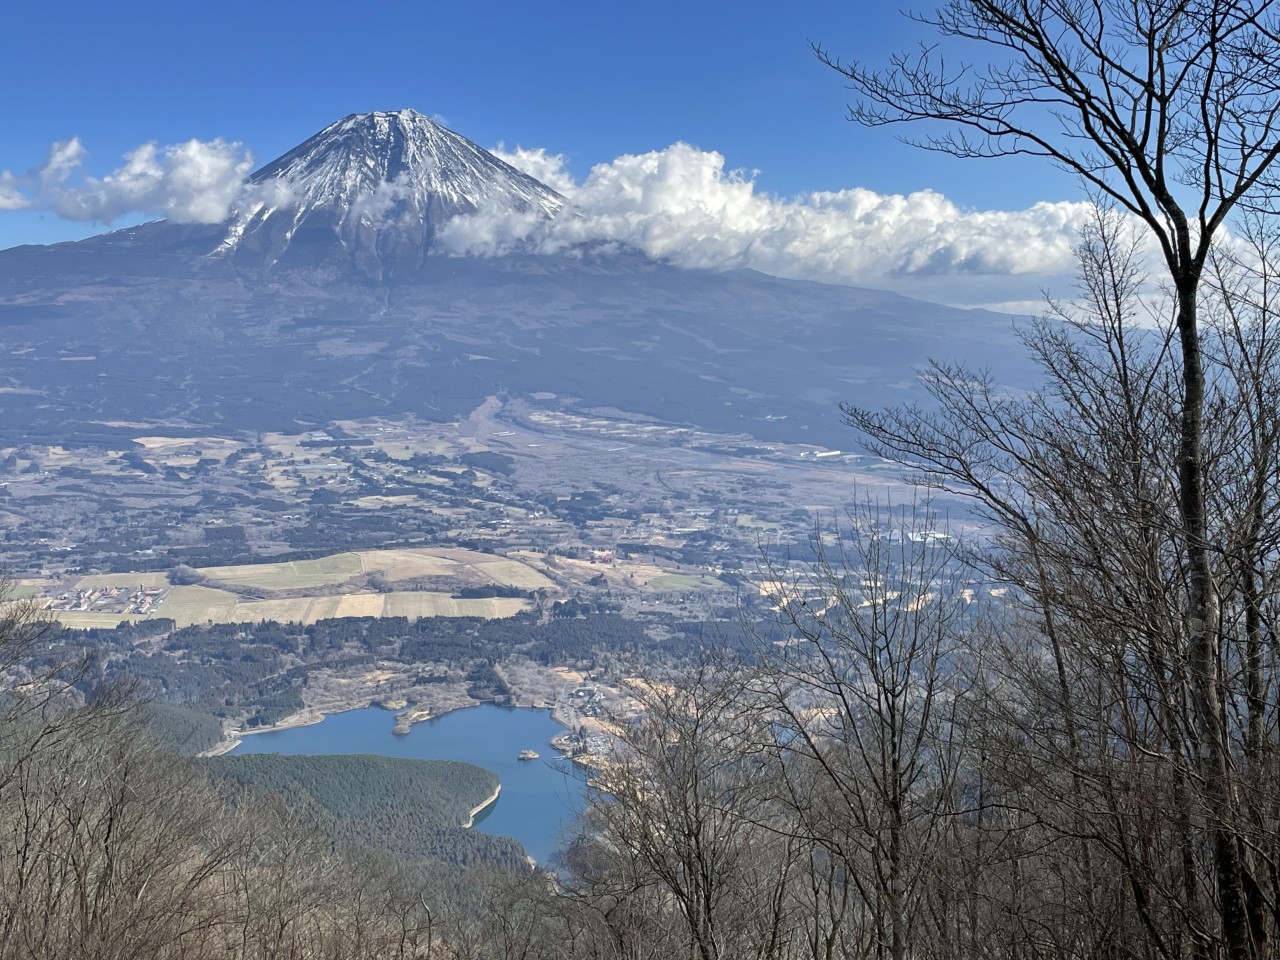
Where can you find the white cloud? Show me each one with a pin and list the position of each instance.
(192, 182)
(11, 195)
(62, 160)
(550, 168)
(683, 205)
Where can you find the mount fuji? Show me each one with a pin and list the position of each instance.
(324, 297)
(380, 183)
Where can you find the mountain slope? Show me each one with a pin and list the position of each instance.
(316, 310)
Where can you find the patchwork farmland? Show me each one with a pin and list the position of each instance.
(423, 583)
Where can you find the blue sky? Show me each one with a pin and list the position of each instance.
(589, 81)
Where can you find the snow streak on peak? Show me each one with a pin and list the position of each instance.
(382, 183)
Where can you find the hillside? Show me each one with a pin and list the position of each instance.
(413, 810)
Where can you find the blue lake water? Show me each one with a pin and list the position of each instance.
(539, 799)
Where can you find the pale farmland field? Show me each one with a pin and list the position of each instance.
(393, 564)
(190, 605)
(513, 573)
(325, 608)
(291, 574)
(422, 604)
(685, 581)
(291, 610)
(360, 605)
(407, 564)
(89, 619)
(197, 604)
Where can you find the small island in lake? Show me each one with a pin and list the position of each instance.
(527, 755)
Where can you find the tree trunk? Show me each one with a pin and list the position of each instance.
(1203, 616)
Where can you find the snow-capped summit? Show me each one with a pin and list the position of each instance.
(380, 185)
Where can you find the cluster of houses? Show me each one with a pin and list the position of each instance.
(140, 600)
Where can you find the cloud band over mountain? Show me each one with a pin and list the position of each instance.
(680, 204)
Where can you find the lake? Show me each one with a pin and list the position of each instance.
(539, 800)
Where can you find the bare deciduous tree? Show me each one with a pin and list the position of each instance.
(1093, 736)
(689, 825)
(863, 697)
(1171, 110)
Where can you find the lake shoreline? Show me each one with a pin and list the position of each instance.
(303, 718)
(536, 802)
(476, 810)
(405, 719)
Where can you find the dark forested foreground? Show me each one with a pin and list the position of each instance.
(410, 810)
(917, 774)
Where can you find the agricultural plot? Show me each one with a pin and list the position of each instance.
(407, 564)
(422, 604)
(378, 502)
(290, 575)
(395, 565)
(683, 581)
(89, 620)
(513, 573)
(208, 446)
(293, 610)
(197, 604)
(325, 608)
(191, 605)
(358, 605)
(633, 572)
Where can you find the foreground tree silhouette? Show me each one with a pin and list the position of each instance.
(689, 832)
(1169, 110)
(863, 708)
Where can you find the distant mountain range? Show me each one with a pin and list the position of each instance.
(325, 298)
